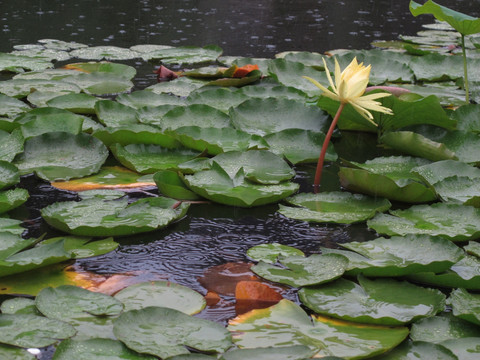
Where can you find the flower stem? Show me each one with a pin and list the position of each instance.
(465, 72)
(321, 158)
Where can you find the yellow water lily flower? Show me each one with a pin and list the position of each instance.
(349, 87)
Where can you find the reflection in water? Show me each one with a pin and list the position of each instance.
(244, 28)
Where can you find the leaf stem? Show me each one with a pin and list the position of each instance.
(321, 158)
(465, 72)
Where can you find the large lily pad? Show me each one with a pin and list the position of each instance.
(465, 305)
(112, 113)
(104, 52)
(9, 175)
(335, 207)
(134, 134)
(453, 221)
(269, 253)
(302, 271)
(32, 331)
(164, 332)
(15, 353)
(170, 184)
(76, 103)
(100, 83)
(145, 98)
(11, 107)
(98, 217)
(219, 98)
(20, 88)
(19, 63)
(296, 352)
(161, 293)
(268, 116)
(81, 155)
(185, 54)
(149, 158)
(194, 115)
(388, 177)
(105, 67)
(96, 349)
(286, 324)
(379, 301)
(437, 329)
(419, 350)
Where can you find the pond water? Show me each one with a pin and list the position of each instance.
(212, 235)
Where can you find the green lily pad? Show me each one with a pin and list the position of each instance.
(164, 332)
(112, 113)
(269, 253)
(185, 54)
(268, 116)
(300, 146)
(19, 63)
(149, 158)
(465, 349)
(50, 122)
(134, 134)
(11, 199)
(302, 271)
(473, 248)
(200, 115)
(104, 52)
(82, 155)
(218, 98)
(418, 350)
(388, 177)
(98, 217)
(46, 54)
(453, 221)
(296, 352)
(379, 301)
(468, 118)
(100, 83)
(465, 305)
(9, 175)
(153, 115)
(216, 185)
(438, 171)
(11, 107)
(83, 247)
(32, 331)
(437, 67)
(170, 184)
(248, 79)
(20, 88)
(11, 226)
(76, 103)
(437, 329)
(216, 140)
(121, 70)
(286, 324)
(273, 91)
(143, 98)
(96, 348)
(161, 293)
(464, 24)
(465, 273)
(19, 305)
(180, 87)
(336, 207)
(15, 353)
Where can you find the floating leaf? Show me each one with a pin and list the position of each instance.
(11, 107)
(9, 175)
(20, 88)
(19, 63)
(302, 271)
(11, 144)
(112, 113)
(15, 353)
(419, 350)
(465, 305)
(200, 115)
(336, 207)
(164, 332)
(104, 52)
(286, 324)
(185, 54)
(219, 98)
(453, 221)
(96, 349)
(149, 158)
(76, 103)
(466, 348)
(134, 134)
(180, 87)
(268, 116)
(32, 331)
(269, 253)
(437, 329)
(140, 99)
(83, 247)
(19, 305)
(163, 294)
(96, 217)
(468, 118)
(121, 70)
(11, 199)
(170, 184)
(81, 155)
(379, 301)
(297, 352)
(100, 83)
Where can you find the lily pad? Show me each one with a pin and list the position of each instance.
(100, 83)
(453, 221)
(76, 103)
(296, 352)
(140, 99)
(96, 349)
(112, 113)
(466, 348)
(15, 353)
(149, 158)
(302, 271)
(180, 87)
(335, 207)
(219, 98)
(11, 107)
(164, 332)
(170, 184)
(82, 155)
(19, 63)
(98, 217)
(379, 301)
(465, 305)
(82, 247)
(19, 305)
(9, 175)
(32, 331)
(419, 350)
(269, 253)
(104, 52)
(20, 88)
(200, 115)
(437, 329)
(286, 324)
(161, 293)
(185, 54)
(121, 70)
(134, 134)
(468, 118)
(268, 116)
(389, 177)
(12, 199)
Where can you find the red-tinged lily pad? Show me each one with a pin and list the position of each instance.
(98, 217)
(333, 207)
(453, 221)
(223, 279)
(166, 332)
(380, 301)
(251, 295)
(286, 324)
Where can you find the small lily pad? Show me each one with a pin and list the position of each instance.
(379, 301)
(302, 271)
(10, 199)
(185, 54)
(335, 207)
(170, 184)
(164, 332)
(104, 52)
(269, 253)
(195, 115)
(161, 293)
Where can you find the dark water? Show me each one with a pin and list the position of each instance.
(243, 28)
